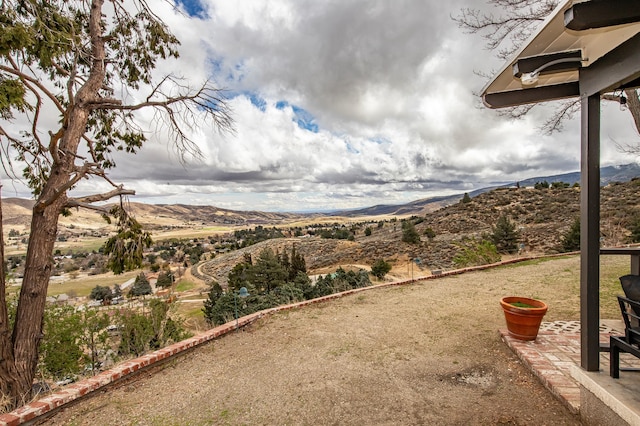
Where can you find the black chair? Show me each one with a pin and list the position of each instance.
(630, 342)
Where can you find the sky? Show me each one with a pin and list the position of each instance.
(342, 104)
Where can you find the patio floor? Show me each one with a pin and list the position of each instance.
(554, 357)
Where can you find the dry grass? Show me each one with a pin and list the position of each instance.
(426, 353)
(82, 286)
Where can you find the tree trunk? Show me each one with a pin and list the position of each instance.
(633, 103)
(9, 389)
(27, 331)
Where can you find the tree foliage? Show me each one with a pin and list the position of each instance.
(634, 228)
(504, 235)
(103, 293)
(409, 233)
(474, 252)
(150, 329)
(141, 286)
(570, 241)
(79, 72)
(380, 268)
(165, 280)
(73, 340)
(272, 279)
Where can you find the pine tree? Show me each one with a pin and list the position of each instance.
(409, 233)
(505, 236)
(571, 239)
(140, 286)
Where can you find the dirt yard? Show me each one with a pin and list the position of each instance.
(422, 354)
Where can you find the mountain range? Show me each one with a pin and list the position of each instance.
(17, 211)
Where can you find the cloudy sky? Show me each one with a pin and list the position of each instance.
(344, 104)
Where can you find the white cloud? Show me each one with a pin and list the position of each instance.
(383, 92)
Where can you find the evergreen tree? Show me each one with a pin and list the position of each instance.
(298, 265)
(504, 235)
(268, 272)
(466, 198)
(634, 228)
(101, 293)
(140, 286)
(210, 308)
(165, 280)
(409, 233)
(571, 239)
(240, 276)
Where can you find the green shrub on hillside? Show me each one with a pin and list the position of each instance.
(570, 241)
(380, 268)
(474, 253)
(504, 235)
(634, 228)
(409, 233)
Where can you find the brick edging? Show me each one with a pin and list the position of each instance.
(47, 405)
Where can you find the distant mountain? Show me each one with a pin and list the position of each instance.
(610, 174)
(17, 211)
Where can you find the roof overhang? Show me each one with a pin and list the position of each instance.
(583, 47)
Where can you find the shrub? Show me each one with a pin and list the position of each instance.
(430, 233)
(634, 228)
(380, 268)
(473, 253)
(504, 235)
(140, 286)
(409, 233)
(570, 241)
(165, 279)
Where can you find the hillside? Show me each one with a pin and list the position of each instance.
(542, 217)
(608, 175)
(17, 215)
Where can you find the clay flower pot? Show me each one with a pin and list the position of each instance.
(523, 316)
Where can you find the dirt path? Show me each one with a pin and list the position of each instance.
(422, 354)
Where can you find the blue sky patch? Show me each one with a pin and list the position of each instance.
(194, 8)
(303, 118)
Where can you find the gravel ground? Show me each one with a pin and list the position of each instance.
(427, 353)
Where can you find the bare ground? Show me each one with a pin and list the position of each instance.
(427, 353)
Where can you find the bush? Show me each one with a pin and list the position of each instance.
(634, 228)
(103, 293)
(149, 330)
(570, 241)
(409, 233)
(474, 253)
(380, 269)
(430, 233)
(72, 341)
(504, 235)
(165, 279)
(140, 286)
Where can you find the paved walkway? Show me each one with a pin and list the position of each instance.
(556, 352)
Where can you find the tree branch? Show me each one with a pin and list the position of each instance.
(35, 82)
(81, 201)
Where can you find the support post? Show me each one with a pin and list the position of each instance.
(590, 233)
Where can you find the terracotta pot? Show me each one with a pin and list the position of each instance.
(523, 323)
